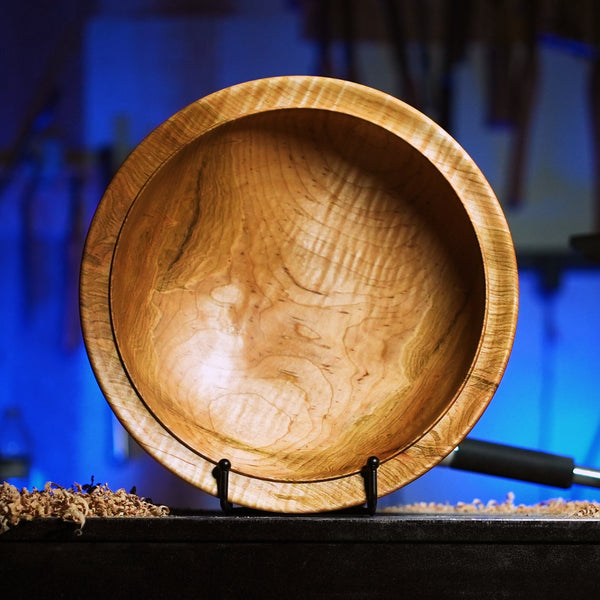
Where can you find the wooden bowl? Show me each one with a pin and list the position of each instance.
(295, 274)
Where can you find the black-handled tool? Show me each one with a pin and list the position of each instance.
(518, 463)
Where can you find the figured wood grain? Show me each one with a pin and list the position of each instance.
(295, 274)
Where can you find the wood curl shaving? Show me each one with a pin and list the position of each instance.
(75, 504)
(553, 508)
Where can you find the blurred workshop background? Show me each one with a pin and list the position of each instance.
(516, 82)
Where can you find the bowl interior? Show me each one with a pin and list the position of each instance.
(297, 290)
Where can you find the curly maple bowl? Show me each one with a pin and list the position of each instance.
(295, 274)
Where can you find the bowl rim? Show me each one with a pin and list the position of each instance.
(425, 136)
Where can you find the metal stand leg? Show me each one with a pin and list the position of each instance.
(221, 474)
(369, 473)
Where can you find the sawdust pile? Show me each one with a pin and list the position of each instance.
(552, 508)
(74, 504)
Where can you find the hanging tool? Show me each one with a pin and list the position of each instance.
(521, 464)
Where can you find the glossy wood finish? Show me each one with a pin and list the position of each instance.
(297, 273)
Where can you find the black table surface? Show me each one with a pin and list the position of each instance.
(245, 555)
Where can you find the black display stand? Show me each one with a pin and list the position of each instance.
(368, 472)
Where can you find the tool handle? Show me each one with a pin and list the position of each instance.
(511, 462)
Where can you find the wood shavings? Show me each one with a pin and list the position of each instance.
(74, 504)
(556, 507)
